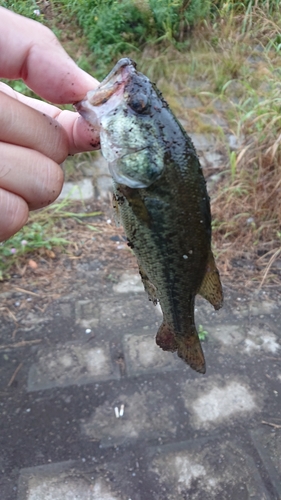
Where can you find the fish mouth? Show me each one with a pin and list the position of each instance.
(113, 82)
(111, 87)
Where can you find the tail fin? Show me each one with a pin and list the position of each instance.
(188, 347)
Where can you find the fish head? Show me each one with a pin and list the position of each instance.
(127, 107)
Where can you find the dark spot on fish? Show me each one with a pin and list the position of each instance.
(120, 199)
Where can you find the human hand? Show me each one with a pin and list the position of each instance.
(35, 137)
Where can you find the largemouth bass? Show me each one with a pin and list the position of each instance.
(161, 198)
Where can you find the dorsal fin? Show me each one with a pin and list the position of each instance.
(211, 288)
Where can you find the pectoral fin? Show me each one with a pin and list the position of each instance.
(116, 210)
(211, 288)
(136, 203)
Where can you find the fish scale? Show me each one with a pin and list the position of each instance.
(161, 199)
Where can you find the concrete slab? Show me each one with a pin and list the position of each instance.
(218, 401)
(228, 335)
(191, 102)
(129, 283)
(80, 191)
(267, 440)
(62, 481)
(128, 312)
(260, 340)
(142, 354)
(144, 415)
(70, 364)
(87, 313)
(202, 142)
(206, 470)
(213, 159)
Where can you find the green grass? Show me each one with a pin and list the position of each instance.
(46, 231)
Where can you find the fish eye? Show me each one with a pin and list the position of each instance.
(139, 103)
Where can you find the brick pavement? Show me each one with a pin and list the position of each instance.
(98, 412)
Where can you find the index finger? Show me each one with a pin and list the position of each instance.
(33, 53)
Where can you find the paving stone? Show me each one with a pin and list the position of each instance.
(228, 335)
(129, 283)
(212, 180)
(142, 354)
(213, 120)
(213, 158)
(218, 402)
(202, 142)
(191, 102)
(82, 190)
(62, 481)
(197, 85)
(256, 308)
(126, 313)
(234, 142)
(260, 340)
(262, 307)
(104, 187)
(87, 313)
(146, 415)
(70, 364)
(268, 444)
(100, 164)
(202, 469)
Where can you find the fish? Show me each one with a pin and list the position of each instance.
(161, 200)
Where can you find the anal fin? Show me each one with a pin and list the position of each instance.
(188, 346)
(211, 288)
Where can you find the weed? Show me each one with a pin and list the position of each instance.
(202, 334)
(44, 233)
(27, 8)
(32, 237)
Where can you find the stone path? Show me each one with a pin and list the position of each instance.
(97, 411)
